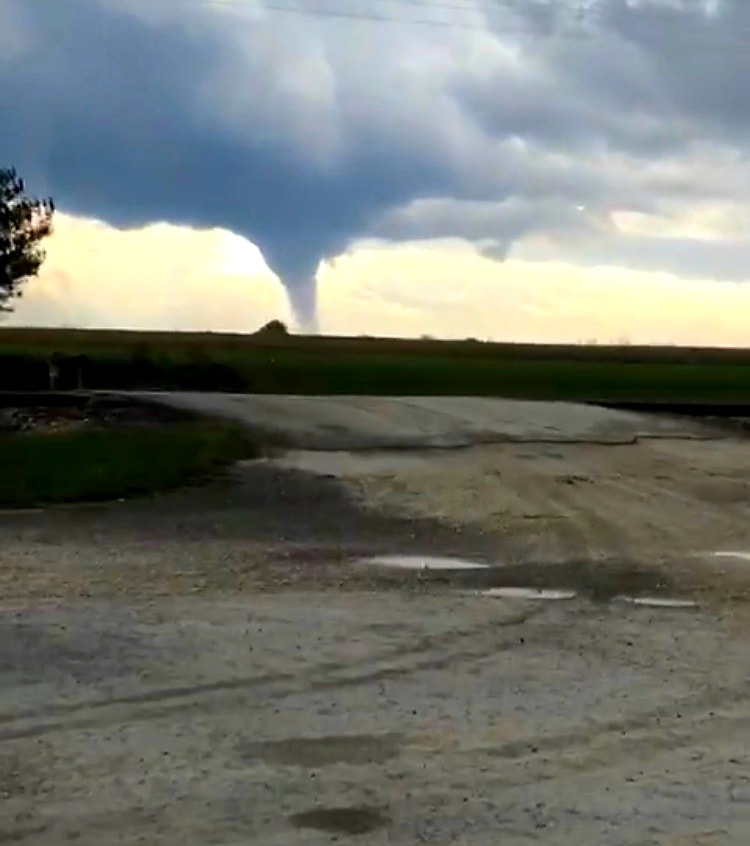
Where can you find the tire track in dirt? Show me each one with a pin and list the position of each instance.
(596, 522)
(638, 533)
(616, 514)
(640, 738)
(428, 653)
(656, 502)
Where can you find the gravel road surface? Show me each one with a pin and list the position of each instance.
(221, 666)
(356, 423)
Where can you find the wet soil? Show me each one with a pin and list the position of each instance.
(259, 528)
(341, 820)
(271, 529)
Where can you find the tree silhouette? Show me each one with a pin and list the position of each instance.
(24, 222)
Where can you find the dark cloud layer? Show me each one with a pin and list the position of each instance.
(101, 115)
(112, 111)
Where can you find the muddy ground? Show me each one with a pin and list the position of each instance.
(213, 666)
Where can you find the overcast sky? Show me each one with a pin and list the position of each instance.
(577, 165)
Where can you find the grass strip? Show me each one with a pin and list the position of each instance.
(87, 465)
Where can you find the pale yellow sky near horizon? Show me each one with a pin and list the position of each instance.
(176, 278)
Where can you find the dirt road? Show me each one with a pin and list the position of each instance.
(311, 718)
(660, 503)
(218, 666)
(367, 422)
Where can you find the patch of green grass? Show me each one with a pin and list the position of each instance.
(99, 464)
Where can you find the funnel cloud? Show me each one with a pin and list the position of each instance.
(523, 128)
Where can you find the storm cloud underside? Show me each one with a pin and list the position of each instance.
(305, 134)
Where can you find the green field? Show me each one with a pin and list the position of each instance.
(324, 365)
(99, 464)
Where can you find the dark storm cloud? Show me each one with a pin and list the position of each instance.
(304, 134)
(101, 114)
(634, 77)
(493, 227)
(696, 56)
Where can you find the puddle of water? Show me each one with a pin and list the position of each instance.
(312, 752)
(744, 556)
(598, 580)
(355, 820)
(657, 601)
(423, 562)
(528, 593)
